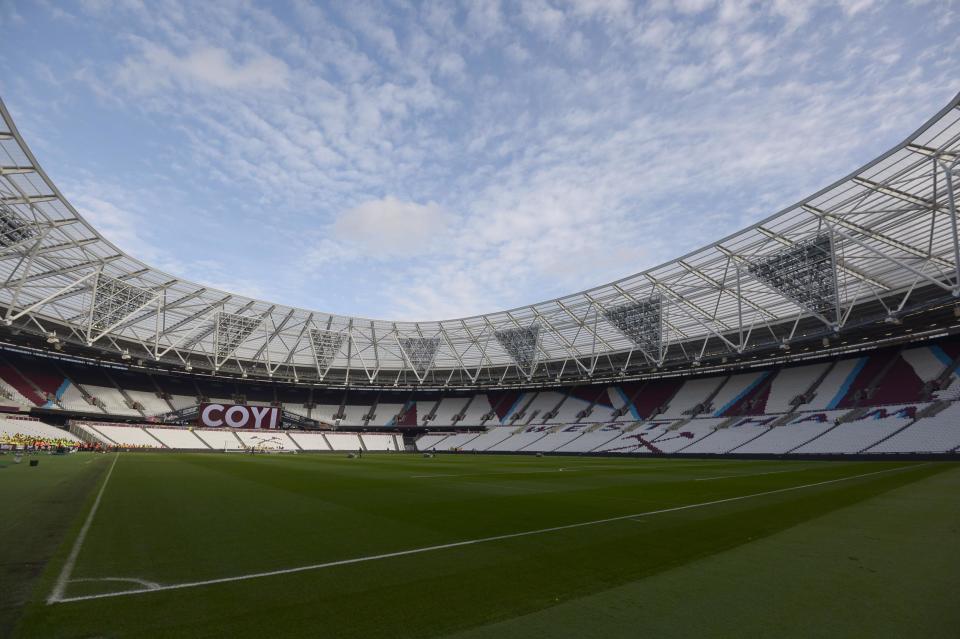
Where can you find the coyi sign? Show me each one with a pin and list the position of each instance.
(238, 416)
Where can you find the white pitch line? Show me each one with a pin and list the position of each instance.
(497, 474)
(67, 570)
(565, 469)
(149, 585)
(469, 542)
(772, 472)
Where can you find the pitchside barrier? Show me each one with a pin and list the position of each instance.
(238, 416)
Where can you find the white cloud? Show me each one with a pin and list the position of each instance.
(157, 67)
(389, 227)
(693, 7)
(528, 149)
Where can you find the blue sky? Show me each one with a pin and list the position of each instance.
(424, 161)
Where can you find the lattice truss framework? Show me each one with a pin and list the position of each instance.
(522, 344)
(420, 352)
(326, 345)
(232, 330)
(642, 322)
(892, 226)
(113, 302)
(13, 229)
(805, 273)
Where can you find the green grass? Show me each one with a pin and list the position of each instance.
(877, 555)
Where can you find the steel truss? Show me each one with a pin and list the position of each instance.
(114, 301)
(326, 345)
(642, 322)
(420, 353)
(806, 273)
(522, 344)
(890, 226)
(232, 330)
(13, 229)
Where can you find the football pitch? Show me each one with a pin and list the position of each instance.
(218, 545)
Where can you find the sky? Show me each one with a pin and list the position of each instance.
(422, 161)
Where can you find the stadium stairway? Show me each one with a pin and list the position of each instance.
(565, 443)
(102, 436)
(893, 434)
(818, 436)
(154, 437)
(809, 395)
(780, 421)
(698, 440)
(929, 411)
(294, 445)
(202, 441)
(27, 386)
(126, 397)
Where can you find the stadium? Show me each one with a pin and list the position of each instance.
(756, 438)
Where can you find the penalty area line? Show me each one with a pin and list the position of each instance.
(61, 585)
(471, 542)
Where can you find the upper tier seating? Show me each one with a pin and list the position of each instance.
(11, 396)
(733, 389)
(113, 400)
(448, 408)
(297, 409)
(152, 405)
(386, 414)
(538, 409)
(928, 362)
(790, 383)
(73, 399)
(180, 402)
(693, 393)
(884, 376)
(571, 407)
(479, 407)
(353, 415)
(835, 385)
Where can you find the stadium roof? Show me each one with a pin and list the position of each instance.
(883, 237)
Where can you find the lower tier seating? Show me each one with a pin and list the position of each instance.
(884, 429)
(180, 438)
(29, 428)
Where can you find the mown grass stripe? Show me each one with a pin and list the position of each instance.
(460, 544)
